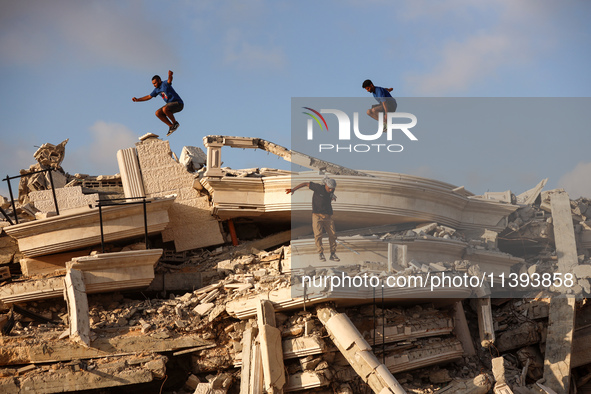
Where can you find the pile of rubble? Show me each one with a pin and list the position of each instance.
(113, 296)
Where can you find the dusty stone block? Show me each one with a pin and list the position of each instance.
(582, 271)
(67, 198)
(202, 309)
(157, 367)
(498, 369)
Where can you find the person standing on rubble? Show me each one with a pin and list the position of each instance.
(174, 103)
(386, 103)
(322, 214)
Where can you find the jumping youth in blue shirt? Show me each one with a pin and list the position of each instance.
(386, 103)
(174, 103)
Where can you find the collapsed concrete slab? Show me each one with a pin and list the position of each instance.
(306, 380)
(287, 298)
(424, 249)
(101, 272)
(79, 376)
(77, 230)
(387, 198)
(48, 264)
(108, 342)
(427, 352)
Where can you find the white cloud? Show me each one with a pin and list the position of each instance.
(577, 182)
(519, 33)
(99, 156)
(466, 62)
(84, 32)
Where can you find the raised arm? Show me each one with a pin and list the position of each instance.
(170, 77)
(291, 191)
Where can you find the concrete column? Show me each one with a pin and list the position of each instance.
(357, 351)
(396, 257)
(271, 350)
(485, 321)
(247, 342)
(462, 331)
(561, 319)
(75, 295)
(131, 176)
(214, 157)
(256, 370)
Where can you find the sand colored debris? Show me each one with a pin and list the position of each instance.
(217, 287)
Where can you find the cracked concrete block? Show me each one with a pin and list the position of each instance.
(193, 158)
(498, 369)
(67, 198)
(582, 271)
(202, 309)
(157, 367)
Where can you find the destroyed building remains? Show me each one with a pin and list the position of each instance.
(181, 275)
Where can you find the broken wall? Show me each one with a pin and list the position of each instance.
(67, 198)
(191, 224)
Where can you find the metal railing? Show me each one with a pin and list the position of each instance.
(8, 178)
(106, 203)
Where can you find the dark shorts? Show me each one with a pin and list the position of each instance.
(391, 105)
(175, 106)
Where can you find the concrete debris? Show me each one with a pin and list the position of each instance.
(208, 294)
(481, 384)
(214, 144)
(193, 158)
(49, 155)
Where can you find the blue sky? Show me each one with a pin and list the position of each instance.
(70, 70)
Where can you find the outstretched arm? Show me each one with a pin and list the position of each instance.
(291, 191)
(169, 77)
(145, 98)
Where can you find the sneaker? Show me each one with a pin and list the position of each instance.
(172, 128)
(334, 257)
(385, 128)
(321, 257)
